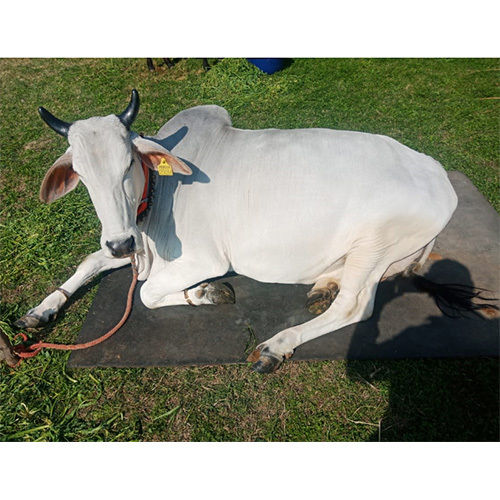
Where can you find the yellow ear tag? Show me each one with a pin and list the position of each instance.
(164, 168)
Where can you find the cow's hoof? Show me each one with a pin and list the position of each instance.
(489, 312)
(29, 321)
(264, 361)
(219, 293)
(321, 299)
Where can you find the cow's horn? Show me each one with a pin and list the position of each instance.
(54, 123)
(128, 116)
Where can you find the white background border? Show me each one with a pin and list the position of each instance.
(257, 28)
(54, 28)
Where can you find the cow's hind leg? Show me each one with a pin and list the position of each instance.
(354, 302)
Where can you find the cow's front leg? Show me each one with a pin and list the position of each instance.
(174, 287)
(94, 264)
(204, 294)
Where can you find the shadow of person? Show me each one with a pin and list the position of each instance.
(432, 399)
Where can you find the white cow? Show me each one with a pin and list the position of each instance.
(335, 209)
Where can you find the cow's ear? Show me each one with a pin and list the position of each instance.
(60, 179)
(156, 157)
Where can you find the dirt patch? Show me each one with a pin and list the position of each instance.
(38, 144)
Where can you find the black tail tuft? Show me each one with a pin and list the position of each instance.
(454, 300)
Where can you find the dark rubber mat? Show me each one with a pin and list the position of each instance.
(405, 323)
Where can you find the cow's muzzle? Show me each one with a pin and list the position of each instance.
(122, 248)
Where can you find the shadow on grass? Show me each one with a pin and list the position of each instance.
(432, 399)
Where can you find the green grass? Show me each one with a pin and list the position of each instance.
(439, 107)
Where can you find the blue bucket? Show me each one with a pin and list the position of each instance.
(269, 65)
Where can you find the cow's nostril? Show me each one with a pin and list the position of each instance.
(121, 248)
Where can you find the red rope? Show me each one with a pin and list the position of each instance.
(32, 350)
(144, 200)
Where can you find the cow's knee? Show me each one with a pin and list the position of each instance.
(150, 297)
(354, 307)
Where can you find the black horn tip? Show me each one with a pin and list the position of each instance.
(44, 114)
(54, 123)
(129, 115)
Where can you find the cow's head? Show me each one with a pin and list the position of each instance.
(104, 157)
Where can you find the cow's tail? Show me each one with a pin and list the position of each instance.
(455, 300)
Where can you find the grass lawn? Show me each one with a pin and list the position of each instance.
(440, 107)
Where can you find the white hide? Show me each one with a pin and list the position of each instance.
(287, 205)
